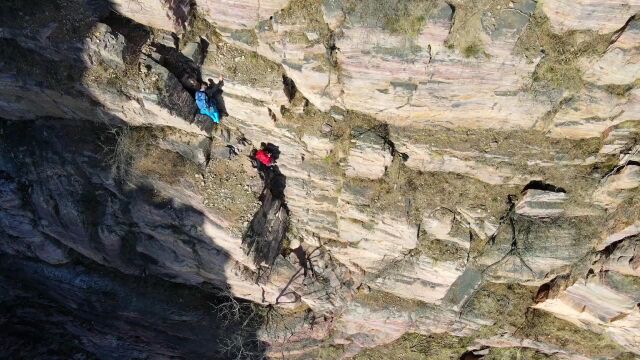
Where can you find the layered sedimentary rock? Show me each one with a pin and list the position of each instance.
(594, 111)
(410, 78)
(170, 15)
(367, 326)
(600, 307)
(540, 203)
(371, 242)
(589, 14)
(234, 14)
(369, 157)
(619, 65)
(617, 186)
(422, 278)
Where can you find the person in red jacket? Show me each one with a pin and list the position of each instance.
(263, 156)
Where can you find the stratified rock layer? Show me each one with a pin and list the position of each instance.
(421, 157)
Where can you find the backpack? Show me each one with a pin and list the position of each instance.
(264, 157)
(201, 100)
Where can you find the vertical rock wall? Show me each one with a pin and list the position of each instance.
(443, 161)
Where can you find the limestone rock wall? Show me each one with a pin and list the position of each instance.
(427, 151)
(170, 15)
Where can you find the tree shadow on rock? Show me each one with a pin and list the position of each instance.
(264, 237)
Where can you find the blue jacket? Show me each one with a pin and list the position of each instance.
(206, 106)
(202, 100)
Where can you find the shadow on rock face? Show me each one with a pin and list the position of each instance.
(91, 266)
(265, 234)
(83, 256)
(86, 311)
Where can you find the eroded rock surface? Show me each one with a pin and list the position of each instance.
(624, 54)
(170, 15)
(590, 14)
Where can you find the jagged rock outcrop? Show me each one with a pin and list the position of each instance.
(601, 308)
(170, 15)
(540, 203)
(624, 54)
(84, 209)
(594, 111)
(369, 156)
(589, 14)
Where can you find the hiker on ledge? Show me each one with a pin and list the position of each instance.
(205, 102)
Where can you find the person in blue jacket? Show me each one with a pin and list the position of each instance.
(205, 102)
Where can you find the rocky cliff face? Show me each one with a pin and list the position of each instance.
(455, 179)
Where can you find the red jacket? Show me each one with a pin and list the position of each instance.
(264, 157)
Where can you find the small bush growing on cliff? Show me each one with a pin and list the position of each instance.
(419, 347)
(409, 26)
(402, 17)
(257, 324)
(560, 52)
(199, 27)
(472, 50)
(245, 317)
(133, 152)
(121, 154)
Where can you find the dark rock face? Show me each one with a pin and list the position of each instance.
(92, 266)
(83, 311)
(65, 224)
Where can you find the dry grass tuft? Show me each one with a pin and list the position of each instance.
(544, 327)
(413, 346)
(559, 66)
(402, 17)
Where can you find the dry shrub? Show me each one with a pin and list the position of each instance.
(419, 347)
(403, 17)
(544, 327)
(133, 153)
(561, 52)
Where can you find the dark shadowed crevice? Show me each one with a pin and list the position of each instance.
(551, 289)
(541, 185)
(611, 248)
(136, 35)
(290, 88)
(264, 238)
(183, 68)
(471, 355)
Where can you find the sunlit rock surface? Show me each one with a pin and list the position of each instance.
(368, 157)
(170, 15)
(619, 65)
(540, 203)
(598, 307)
(593, 15)
(239, 14)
